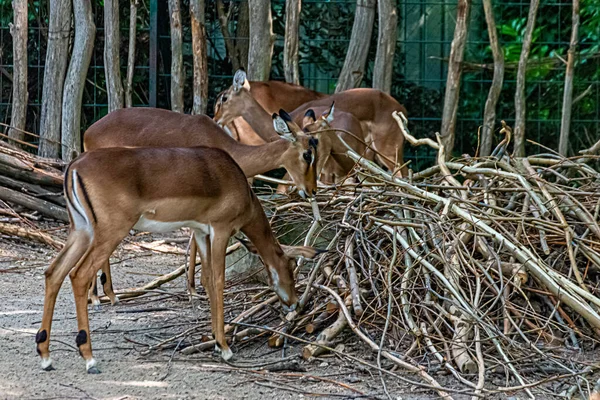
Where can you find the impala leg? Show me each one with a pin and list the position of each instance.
(81, 278)
(72, 254)
(106, 280)
(218, 251)
(191, 282)
(94, 294)
(283, 189)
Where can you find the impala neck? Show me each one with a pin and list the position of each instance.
(258, 118)
(254, 160)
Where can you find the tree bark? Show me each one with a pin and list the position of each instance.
(457, 51)
(489, 114)
(33, 203)
(565, 124)
(57, 55)
(386, 45)
(290, 47)
(177, 79)
(237, 49)
(261, 40)
(131, 52)
(85, 31)
(242, 43)
(520, 114)
(112, 60)
(358, 49)
(20, 96)
(200, 80)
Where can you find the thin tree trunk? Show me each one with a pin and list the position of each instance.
(565, 124)
(200, 58)
(358, 49)
(229, 44)
(85, 31)
(131, 52)
(20, 96)
(457, 51)
(242, 43)
(489, 114)
(520, 109)
(290, 47)
(386, 45)
(237, 48)
(177, 79)
(112, 60)
(57, 56)
(261, 40)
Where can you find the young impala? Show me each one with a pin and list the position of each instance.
(151, 127)
(110, 191)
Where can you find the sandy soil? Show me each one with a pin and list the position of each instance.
(119, 334)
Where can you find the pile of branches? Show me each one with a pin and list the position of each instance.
(483, 268)
(30, 188)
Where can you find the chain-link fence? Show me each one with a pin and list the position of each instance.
(424, 36)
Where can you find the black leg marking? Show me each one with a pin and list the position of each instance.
(38, 351)
(41, 336)
(95, 290)
(81, 338)
(103, 279)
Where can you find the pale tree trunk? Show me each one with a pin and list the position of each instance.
(237, 48)
(85, 30)
(20, 96)
(386, 45)
(565, 124)
(489, 114)
(131, 52)
(520, 114)
(358, 49)
(290, 47)
(112, 60)
(457, 51)
(261, 40)
(200, 58)
(57, 56)
(176, 57)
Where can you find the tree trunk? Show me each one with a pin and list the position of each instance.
(386, 45)
(131, 52)
(358, 49)
(177, 79)
(290, 47)
(85, 31)
(520, 114)
(261, 40)
(489, 114)
(565, 124)
(457, 51)
(57, 55)
(20, 96)
(242, 43)
(200, 58)
(237, 44)
(112, 61)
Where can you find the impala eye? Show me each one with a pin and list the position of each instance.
(224, 99)
(307, 156)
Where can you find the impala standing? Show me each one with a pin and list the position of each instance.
(110, 191)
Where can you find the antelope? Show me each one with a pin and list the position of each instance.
(371, 107)
(111, 191)
(271, 96)
(150, 127)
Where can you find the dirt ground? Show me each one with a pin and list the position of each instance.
(120, 333)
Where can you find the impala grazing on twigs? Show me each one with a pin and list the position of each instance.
(271, 96)
(110, 191)
(150, 127)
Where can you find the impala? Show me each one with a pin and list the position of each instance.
(151, 127)
(271, 96)
(110, 191)
(372, 108)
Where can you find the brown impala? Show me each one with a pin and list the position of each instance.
(110, 191)
(152, 127)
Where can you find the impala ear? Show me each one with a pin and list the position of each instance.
(328, 115)
(240, 80)
(302, 251)
(282, 128)
(309, 118)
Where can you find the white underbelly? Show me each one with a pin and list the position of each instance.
(152, 225)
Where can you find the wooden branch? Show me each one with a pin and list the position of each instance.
(42, 206)
(29, 188)
(27, 233)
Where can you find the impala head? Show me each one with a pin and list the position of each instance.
(281, 270)
(301, 158)
(312, 125)
(231, 102)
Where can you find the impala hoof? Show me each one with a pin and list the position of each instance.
(226, 354)
(47, 364)
(96, 305)
(93, 371)
(90, 366)
(115, 301)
